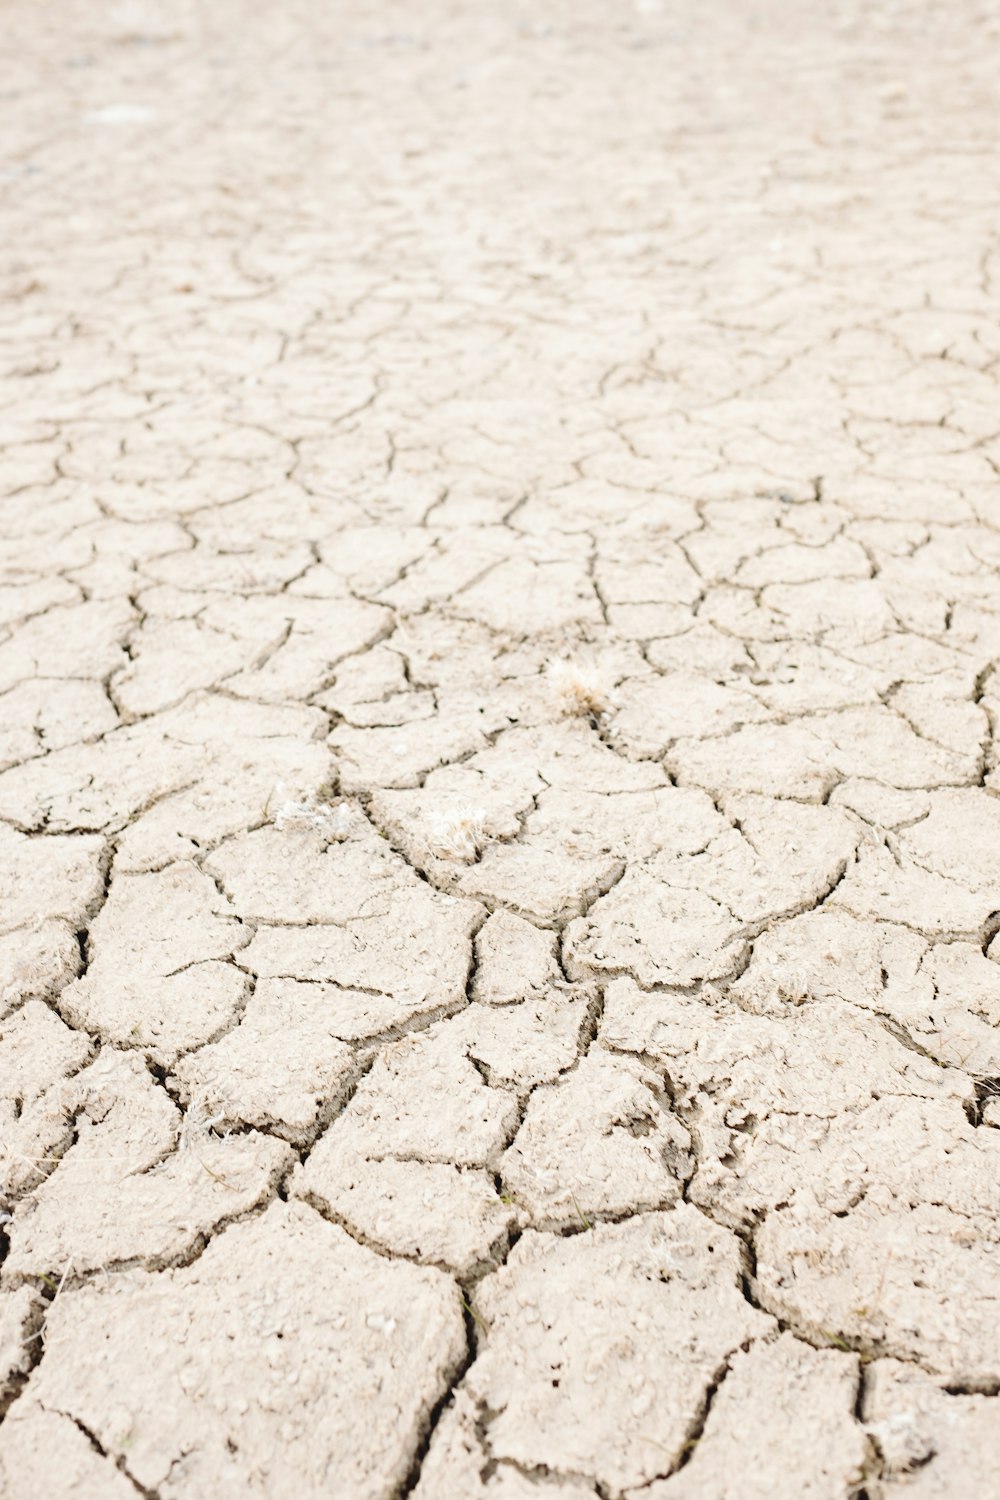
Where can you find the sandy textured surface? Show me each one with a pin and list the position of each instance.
(499, 790)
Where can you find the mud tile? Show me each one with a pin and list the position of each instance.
(45, 1452)
(281, 1068)
(37, 1054)
(751, 1443)
(633, 1317)
(249, 1380)
(158, 975)
(127, 1186)
(929, 1438)
(600, 1143)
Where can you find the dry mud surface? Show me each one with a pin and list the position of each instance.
(499, 795)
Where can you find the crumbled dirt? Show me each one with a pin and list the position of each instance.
(499, 773)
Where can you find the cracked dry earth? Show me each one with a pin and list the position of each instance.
(499, 809)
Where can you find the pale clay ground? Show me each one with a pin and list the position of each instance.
(500, 811)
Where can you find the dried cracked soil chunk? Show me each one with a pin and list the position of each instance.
(933, 1443)
(37, 716)
(874, 1194)
(45, 878)
(601, 1345)
(781, 1426)
(37, 961)
(128, 1186)
(37, 1054)
(687, 916)
(179, 780)
(403, 1165)
(601, 1142)
(894, 1241)
(269, 1346)
(45, 1453)
(946, 996)
(396, 947)
(85, 639)
(460, 1463)
(158, 975)
(20, 1321)
(808, 758)
(401, 756)
(281, 1068)
(513, 959)
(431, 1212)
(532, 1042)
